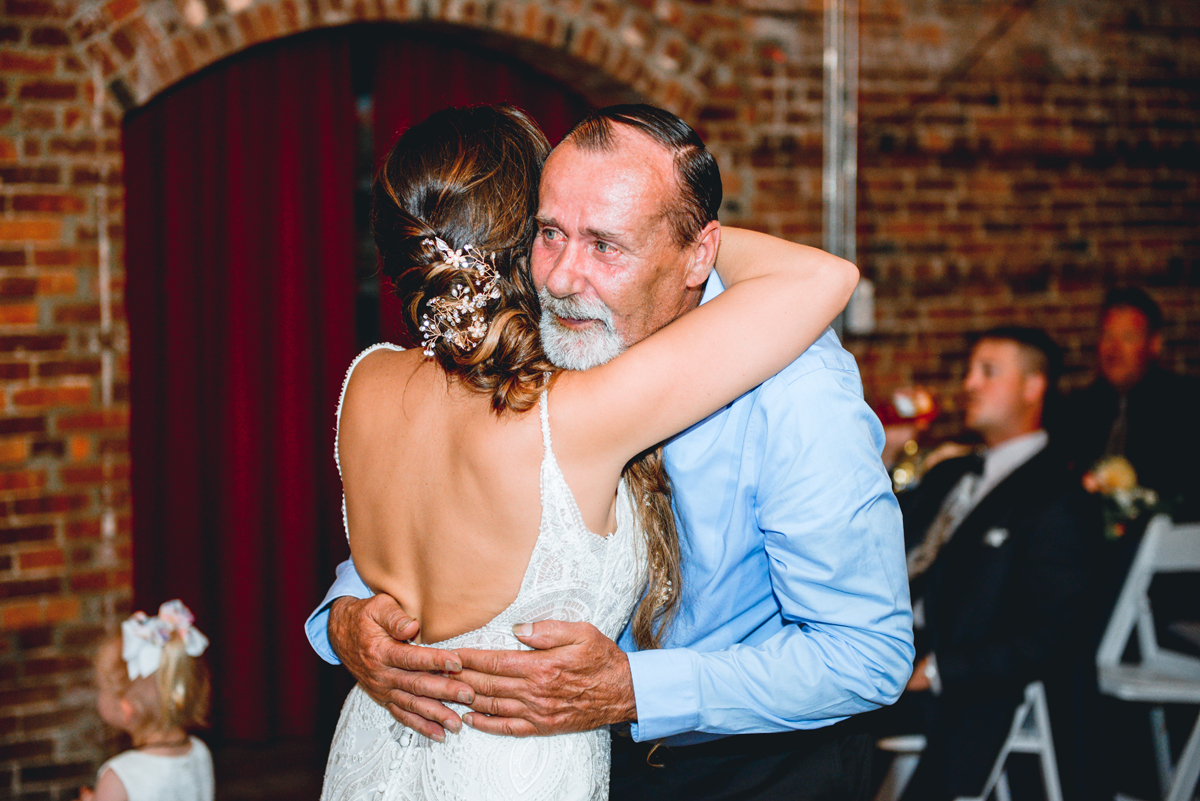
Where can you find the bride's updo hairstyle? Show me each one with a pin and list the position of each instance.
(468, 176)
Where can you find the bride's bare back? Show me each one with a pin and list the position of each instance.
(442, 496)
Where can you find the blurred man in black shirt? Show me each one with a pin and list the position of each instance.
(1151, 416)
(1135, 408)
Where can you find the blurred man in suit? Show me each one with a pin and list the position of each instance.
(998, 561)
(1137, 409)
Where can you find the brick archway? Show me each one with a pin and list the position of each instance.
(140, 47)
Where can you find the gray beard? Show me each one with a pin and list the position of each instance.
(578, 350)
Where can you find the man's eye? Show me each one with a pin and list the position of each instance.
(604, 247)
(549, 233)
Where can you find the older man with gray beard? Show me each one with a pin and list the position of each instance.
(568, 350)
(795, 612)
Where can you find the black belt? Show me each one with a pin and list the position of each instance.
(743, 744)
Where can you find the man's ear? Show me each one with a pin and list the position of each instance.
(1156, 344)
(704, 255)
(1035, 388)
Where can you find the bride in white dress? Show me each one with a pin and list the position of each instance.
(484, 487)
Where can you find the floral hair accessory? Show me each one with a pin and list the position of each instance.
(458, 315)
(143, 637)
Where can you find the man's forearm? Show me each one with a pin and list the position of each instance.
(782, 684)
(830, 635)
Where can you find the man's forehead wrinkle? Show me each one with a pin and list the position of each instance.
(600, 233)
(622, 193)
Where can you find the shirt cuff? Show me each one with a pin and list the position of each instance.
(666, 692)
(933, 674)
(316, 627)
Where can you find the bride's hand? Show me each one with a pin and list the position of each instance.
(408, 680)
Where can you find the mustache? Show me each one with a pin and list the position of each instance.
(574, 307)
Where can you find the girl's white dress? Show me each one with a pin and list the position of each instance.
(573, 575)
(155, 777)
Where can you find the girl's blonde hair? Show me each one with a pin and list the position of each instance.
(178, 694)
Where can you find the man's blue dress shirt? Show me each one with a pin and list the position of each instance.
(795, 612)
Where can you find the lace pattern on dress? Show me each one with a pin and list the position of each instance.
(574, 575)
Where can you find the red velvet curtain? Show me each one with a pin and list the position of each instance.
(240, 298)
(415, 77)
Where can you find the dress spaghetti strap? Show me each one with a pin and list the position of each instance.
(544, 403)
(338, 425)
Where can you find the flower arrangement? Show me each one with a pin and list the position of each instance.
(1114, 478)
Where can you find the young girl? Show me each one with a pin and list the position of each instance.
(154, 685)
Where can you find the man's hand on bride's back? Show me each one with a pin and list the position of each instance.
(369, 637)
(576, 680)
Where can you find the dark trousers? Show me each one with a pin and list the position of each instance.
(829, 764)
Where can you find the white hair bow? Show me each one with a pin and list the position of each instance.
(143, 638)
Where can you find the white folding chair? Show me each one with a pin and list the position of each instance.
(1029, 734)
(907, 749)
(1162, 676)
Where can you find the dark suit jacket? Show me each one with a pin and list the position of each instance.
(1162, 439)
(1003, 603)
(1005, 595)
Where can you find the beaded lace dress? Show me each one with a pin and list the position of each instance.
(573, 575)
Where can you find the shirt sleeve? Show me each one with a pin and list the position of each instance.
(834, 541)
(316, 627)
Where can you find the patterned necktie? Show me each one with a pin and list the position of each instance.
(957, 504)
(1116, 435)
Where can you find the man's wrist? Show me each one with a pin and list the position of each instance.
(333, 628)
(626, 711)
(666, 692)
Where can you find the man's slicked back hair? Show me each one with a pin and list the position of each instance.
(696, 170)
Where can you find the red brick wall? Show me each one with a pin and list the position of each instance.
(64, 573)
(1063, 161)
(1011, 166)
(1058, 156)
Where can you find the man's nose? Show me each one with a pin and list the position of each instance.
(566, 276)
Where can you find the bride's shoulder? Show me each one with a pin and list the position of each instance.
(380, 361)
(377, 372)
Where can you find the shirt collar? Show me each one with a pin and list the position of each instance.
(999, 462)
(713, 288)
